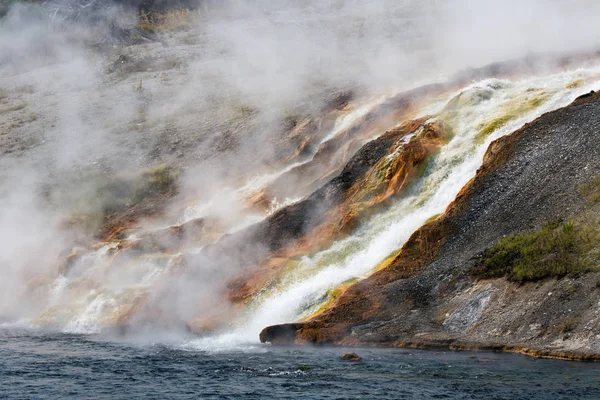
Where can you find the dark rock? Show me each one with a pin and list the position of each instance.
(427, 295)
(351, 357)
(284, 334)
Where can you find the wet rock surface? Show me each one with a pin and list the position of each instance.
(351, 357)
(427, 297)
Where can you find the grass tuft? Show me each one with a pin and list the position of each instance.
(591, 191)
(173, 20)
(553, 251)
(569, 325)
(160, 179)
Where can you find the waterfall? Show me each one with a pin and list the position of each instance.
(310, 284)
(95, 290)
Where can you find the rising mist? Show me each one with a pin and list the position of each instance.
(81, 108)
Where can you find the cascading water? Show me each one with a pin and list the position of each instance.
(94, 291)
(92, 296)
(505, 104)
(257, 182)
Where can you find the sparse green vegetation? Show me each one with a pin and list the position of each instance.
(110, 195)
(165, 21)
(568, 289)
(160, 179)
(568, 325)
(126, 191)
(554, 250)
(290, 120)
(247, 110)
(591, 190)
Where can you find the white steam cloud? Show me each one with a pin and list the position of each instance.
(80, 103)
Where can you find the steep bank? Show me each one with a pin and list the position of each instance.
(428, 294)
(291, 262)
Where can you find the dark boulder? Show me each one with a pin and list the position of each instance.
(283, 334)
(351, 357)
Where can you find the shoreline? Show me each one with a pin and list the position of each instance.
(461, 347)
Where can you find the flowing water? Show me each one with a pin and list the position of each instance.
(63, 345)
(38, 365)
(302, 291)
(96, 290)
(64, 350)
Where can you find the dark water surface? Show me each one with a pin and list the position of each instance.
(42, 365)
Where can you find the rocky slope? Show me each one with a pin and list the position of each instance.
(429, 295)
(363, 178)
(152, 130)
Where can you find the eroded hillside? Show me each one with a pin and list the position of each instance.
(191, 172)
(529, 219)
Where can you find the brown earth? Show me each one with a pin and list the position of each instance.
(260, 252)
(427, 297)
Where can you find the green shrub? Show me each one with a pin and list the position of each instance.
(160, 179)
(122, 192)
(569, 325)
(591, 191)
(173, 20)
(554, 250)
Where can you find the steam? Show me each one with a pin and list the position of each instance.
(29, 242)
(85, 102)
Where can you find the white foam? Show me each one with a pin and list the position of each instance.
(91, 292)
(277, 205)
(359, 254)
(89, 320)
(345, 121)
(341, 124)
(225, 343)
